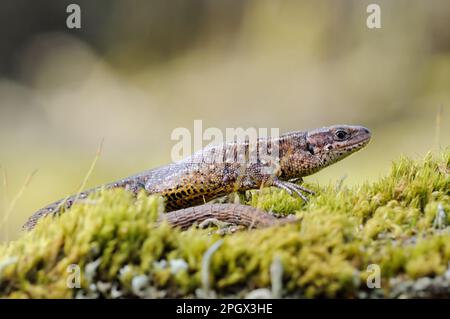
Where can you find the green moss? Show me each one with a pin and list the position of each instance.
(399, 223)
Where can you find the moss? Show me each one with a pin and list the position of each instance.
(398, 223)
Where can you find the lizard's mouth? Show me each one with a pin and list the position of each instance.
(361, 139)
(357, 142)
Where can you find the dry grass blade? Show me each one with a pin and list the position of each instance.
(437, 133)
(86, 177)
(91, 169)
(12, 204)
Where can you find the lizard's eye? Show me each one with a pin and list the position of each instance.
(341, 135)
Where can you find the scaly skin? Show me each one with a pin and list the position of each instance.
(247, 216)
(219, 170)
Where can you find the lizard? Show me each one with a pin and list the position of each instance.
(219, 170)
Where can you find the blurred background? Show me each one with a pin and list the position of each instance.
(136, 70)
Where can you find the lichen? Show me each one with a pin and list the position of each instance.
(111, 243)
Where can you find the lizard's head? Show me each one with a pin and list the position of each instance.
(334, 143)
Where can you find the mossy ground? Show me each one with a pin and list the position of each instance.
(398, 223)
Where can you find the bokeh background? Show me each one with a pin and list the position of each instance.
(138, 69)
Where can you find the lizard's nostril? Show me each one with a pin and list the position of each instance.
(366, 130)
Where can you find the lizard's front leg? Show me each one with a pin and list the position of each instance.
(292, 188)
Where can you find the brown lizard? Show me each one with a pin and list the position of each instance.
(222, 169)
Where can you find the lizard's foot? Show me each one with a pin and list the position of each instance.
(229, 230)
(224, 228)
(304, 189)
(213, 222)
(293, 188)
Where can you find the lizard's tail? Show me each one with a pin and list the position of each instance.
(236, 214)
(53, 209)
(132, 184)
